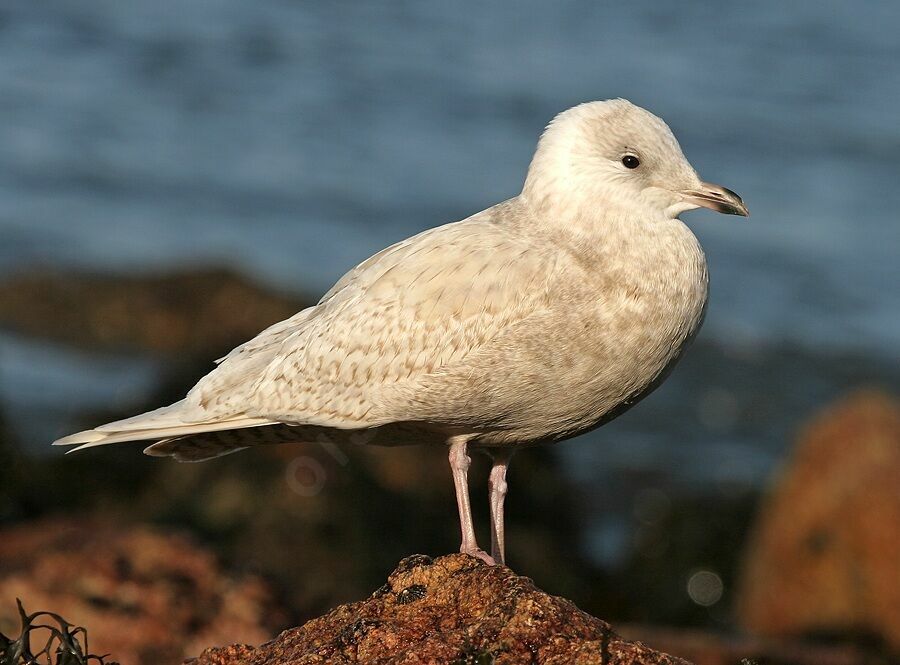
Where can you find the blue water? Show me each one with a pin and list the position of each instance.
(293, 140)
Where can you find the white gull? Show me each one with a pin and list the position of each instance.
(533, 321)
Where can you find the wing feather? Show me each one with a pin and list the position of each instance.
(404, 313)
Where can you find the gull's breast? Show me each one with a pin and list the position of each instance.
(650, 302)
(603, 332)
(615, 333)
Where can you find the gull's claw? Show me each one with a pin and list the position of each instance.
(479, 553)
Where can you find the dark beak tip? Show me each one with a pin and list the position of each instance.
(740, 207)
(718, 198)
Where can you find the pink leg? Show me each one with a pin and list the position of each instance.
(459, 463)
(497, 487)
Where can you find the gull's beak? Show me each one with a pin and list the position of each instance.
(717, 198)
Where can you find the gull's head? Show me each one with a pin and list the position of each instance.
(616, 155)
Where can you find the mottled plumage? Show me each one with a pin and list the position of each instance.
(532, 321)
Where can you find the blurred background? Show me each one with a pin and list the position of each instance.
(176, 176)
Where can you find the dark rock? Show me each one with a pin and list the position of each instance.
(197, 313)
(145, 597)
(708, 648)
(468, 613)
(825, 557)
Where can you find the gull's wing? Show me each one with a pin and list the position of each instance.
(408, 311)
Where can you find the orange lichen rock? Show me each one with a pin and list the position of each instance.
(825, 558)
(454, 610)
(144, 596)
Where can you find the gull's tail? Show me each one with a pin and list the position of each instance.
(167, 425)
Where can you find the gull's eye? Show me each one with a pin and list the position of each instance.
(630, 162)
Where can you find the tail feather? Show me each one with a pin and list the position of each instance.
(166, 416)
(196, 442)
(165, 423)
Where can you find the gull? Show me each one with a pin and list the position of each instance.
(538, 319)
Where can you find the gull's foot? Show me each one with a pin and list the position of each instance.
(479, 553)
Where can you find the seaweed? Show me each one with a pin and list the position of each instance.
(62, 647)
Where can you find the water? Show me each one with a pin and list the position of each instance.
(293, 140)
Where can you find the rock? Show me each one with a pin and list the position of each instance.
(453, 610)
(198, 312)
(825, 557)
(144, 596)
(716, 648)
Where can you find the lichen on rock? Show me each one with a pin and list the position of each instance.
(147, 597)
(455, 610)
(825, 556)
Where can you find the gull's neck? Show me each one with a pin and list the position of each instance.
(591, 216)
(595, 224)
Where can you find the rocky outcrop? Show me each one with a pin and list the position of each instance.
(453, 610)
(194, 313)
(145, 597)
(718, 648)
(825, 558)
